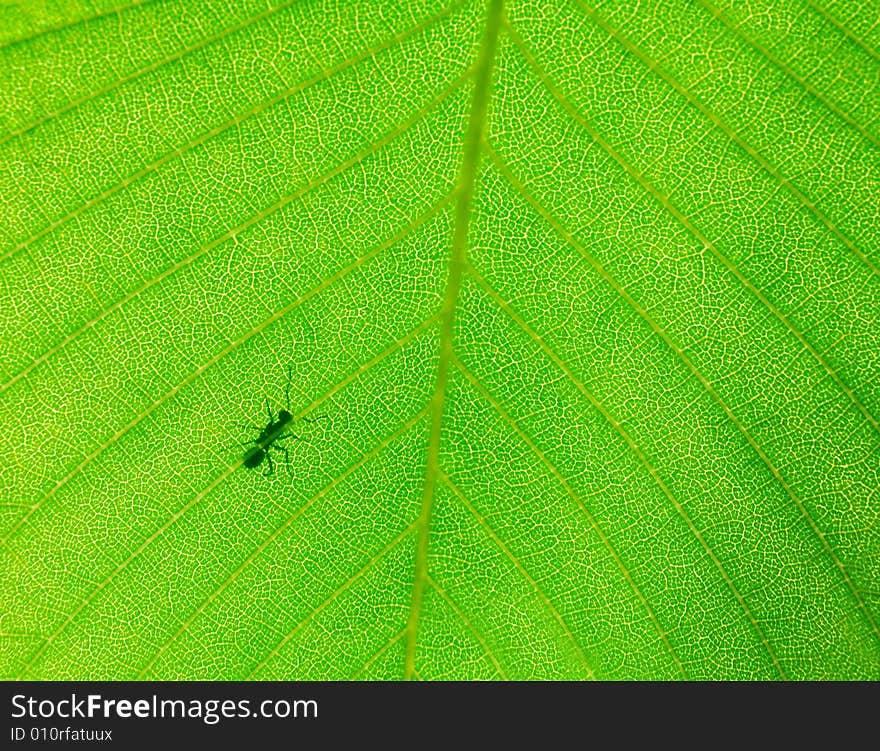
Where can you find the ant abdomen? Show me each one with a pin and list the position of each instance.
(254, 456)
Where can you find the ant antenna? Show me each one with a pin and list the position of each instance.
(268, 408)
(287, 387)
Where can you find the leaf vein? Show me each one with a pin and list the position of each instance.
(254, 220)
(843, 28)
(716, 120)
(800, 80)
(347, 585)
(470, 626)
(117, 11)
(366, 666)
(143, 71)
(466, 180)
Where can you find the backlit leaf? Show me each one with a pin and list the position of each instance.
(575, 307)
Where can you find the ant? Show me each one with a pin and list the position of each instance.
(270, 437)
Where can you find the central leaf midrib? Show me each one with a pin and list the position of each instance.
(466, 180)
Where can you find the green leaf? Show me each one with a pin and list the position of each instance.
(575, 308)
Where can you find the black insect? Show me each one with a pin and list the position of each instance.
(270, 437)
(269, 440)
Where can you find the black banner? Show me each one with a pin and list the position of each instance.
(283, 715)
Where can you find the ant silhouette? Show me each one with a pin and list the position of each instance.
(270, 437)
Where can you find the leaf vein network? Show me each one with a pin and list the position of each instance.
(231, 467)
(701, 378)
(499, 543)
(843, 28)
(258, 550)
(800, 80)
(669, 207)
(252, 221)
(716, 120)
(469, 626)
(579, 502)
(643, 459)
(207, 135)
(65, 25)
(347, 585)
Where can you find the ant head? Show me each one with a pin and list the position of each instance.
(284, 416)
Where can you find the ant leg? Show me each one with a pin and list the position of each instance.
(287, 387)
(268, 411)
(283, 450)
(270, 466)
(291, 435)
(313, 419)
